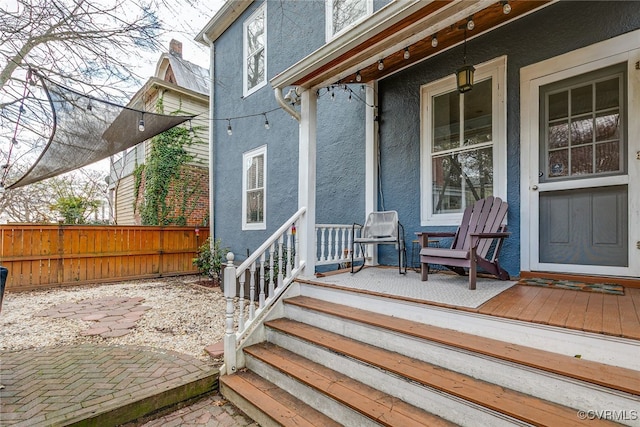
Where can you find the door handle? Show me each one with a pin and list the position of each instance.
(534, 187)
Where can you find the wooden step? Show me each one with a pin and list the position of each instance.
(514, 404)
(613, 377)
(275, 403)
(372, 403)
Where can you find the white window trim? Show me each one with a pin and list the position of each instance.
(581, 61)
(245, 90)
(328, 12)
(246, 156)
(497, 70)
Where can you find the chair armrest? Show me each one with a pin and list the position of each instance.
(498, 235)
(476, 237)
(435, 233)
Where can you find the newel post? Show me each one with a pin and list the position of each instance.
(229, 282)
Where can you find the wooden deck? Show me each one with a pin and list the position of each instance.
(617, 315)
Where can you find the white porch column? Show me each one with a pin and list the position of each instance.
(371, 159)
(307, 179)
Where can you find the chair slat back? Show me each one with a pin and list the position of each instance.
(484, 216)
(381, 224)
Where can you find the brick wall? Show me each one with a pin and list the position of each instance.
(188, 194)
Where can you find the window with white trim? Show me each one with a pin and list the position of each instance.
(254, 198)
(341, 14)
(255, 51)
(463, 144)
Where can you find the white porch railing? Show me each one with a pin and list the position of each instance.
(269, 271)
(333, 243)
(273, 265)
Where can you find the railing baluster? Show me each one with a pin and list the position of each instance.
(296, 251)
(337, 255)
(261, 302)
(289, 254)
(241, 302)
(281, 265)
(330, 255)
(271, 271)
(323, 251)
(252, 291)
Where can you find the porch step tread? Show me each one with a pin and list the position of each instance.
(372, 403)
(613, 377)
(274, 402)
(514, 404)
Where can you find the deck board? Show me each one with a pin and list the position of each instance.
(593, 315)
(616, 315)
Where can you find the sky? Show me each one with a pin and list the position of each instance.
(183, 24)
(180, 20)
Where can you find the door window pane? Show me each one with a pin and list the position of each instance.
(586, 118)
(581, 100)
(608, 157)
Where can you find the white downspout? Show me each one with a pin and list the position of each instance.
(285, 106)
(212, 128)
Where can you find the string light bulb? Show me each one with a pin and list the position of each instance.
(14, 142)
(506, 7)
(406, 54)
(434, 41)
(470, 24)
(381, 65)
(89, 106)
(2, 188)
(192, 133)
(141, 123)
(358, 76)
(266, 122)
(229, 130)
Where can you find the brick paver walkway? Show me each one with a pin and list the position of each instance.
(56, 386)
(113, 316)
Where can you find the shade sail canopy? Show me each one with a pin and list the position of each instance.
(86, 130)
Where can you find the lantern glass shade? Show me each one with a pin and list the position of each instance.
(464, 78)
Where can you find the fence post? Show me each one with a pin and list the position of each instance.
(229, 282)
(60, 252)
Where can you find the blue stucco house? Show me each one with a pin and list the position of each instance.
(325, 111)
(373, 121)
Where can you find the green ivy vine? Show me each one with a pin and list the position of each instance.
(162, 171)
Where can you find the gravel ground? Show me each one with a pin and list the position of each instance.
(185, 316)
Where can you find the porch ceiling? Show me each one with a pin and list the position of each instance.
(387, 33)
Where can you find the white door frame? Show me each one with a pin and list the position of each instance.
(609, 52)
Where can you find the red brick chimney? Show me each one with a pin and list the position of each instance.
(175, 48)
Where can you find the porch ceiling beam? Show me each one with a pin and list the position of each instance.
(386, 34)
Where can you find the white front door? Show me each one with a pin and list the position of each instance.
(580, 161)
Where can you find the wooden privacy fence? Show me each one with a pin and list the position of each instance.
(41, 256)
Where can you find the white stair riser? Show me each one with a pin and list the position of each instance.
(319, 401)
(596, 347)
(555, 388)
(436, 402)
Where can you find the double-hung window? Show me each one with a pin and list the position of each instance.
(340, 14)
(463, 144)
(253, 189)
(255, 51)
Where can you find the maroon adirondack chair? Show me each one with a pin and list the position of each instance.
(476, 243)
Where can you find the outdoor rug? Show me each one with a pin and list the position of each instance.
(605, 288)
(442, 288)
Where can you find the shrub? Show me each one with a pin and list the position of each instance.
(210, 259)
